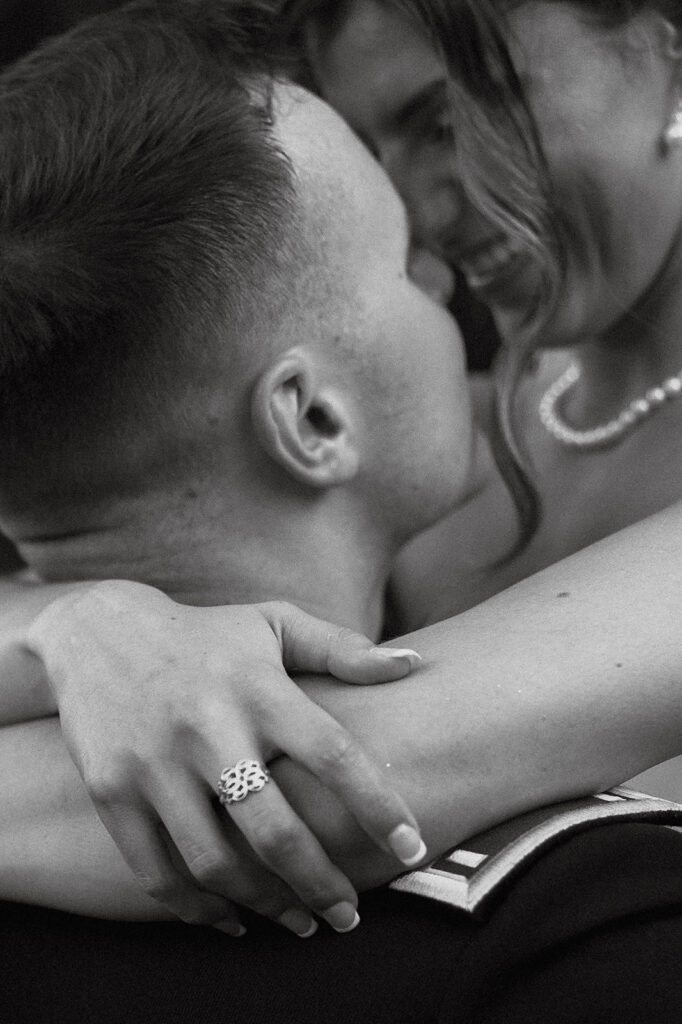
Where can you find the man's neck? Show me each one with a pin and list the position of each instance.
(337, 584)
(325, 562)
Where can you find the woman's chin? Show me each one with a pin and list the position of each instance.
(524, 322)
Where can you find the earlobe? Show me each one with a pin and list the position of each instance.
(671, 136)
(672, 133)
(302, 425)
(672, 40)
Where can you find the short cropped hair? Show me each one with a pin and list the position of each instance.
(143, 201)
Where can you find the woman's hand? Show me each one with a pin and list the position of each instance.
(156, 699)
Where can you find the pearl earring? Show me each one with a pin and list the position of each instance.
(672, 135)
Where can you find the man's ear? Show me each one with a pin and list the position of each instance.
(304, 424)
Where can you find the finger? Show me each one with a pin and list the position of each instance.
(229, 925)
(316, 740)
(313, 645)
(220, 863)
(139, 836)
(288, 847)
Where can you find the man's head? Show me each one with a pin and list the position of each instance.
(141, 201)
(205, 289)
(387, 355)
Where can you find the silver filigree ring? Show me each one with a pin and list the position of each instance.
(237, 781)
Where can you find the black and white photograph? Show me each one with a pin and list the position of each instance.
(341, 511)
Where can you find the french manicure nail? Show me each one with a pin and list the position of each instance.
(391, 653)
(343, 917)
(298, 922)
(407, 845)
(228, 928)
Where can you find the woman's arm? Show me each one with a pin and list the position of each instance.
(54, 850)
(150, 744)
(565, 684)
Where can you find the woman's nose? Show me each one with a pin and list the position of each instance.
(432, 275)
(431, 192)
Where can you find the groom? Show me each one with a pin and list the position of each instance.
(219, 378)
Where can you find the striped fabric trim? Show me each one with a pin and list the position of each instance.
(470, 876)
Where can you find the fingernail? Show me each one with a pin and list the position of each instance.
(398, 652)
(298, 922)
(228, 928)
(407, 845)
(343, 917)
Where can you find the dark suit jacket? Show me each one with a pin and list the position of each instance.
(592, 932)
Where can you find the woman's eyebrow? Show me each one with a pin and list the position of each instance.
(427, 100)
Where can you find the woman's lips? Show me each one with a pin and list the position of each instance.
(485, 264)
(499, 272)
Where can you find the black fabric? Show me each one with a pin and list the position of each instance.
(593, 932)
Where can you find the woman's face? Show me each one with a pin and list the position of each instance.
(600, 98)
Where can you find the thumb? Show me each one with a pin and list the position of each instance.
(313, 645)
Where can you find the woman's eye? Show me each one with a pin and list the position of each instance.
(442, 132)
(438, 131)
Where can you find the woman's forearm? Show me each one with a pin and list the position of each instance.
(54, 850)
(565, 684)
(572, 677)
(569, 682)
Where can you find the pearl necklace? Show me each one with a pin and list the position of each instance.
(607, 433)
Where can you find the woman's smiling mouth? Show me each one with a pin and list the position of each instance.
(497, 270)
(485, 264)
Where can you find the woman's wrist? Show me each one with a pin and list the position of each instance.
(25, 691)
